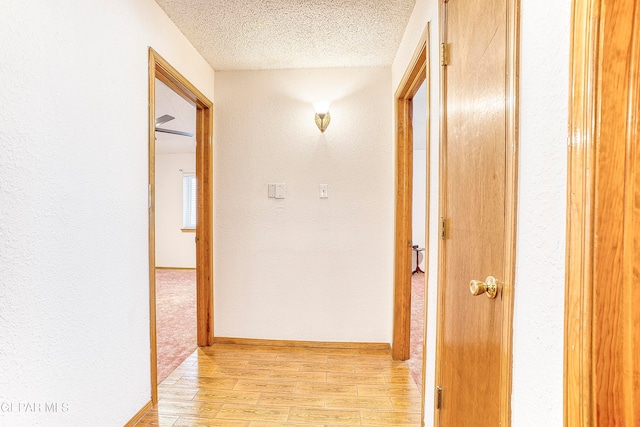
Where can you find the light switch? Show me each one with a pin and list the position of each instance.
(324, 191)
(272, 191)
(280, 191)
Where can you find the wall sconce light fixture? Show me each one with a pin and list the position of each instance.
(322, 115)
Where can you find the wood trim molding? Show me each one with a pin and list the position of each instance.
(442, 205)
(415, 74)
(152, 229)
(139, 415)
(602, 322)
(580, 186)
(511, 206)
(174, 268)
(427, 209)
(159, 68)
(303, 344)
(402, 260)
(204, 226)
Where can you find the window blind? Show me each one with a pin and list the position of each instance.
(189, 206)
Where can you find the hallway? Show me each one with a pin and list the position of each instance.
(267, 386)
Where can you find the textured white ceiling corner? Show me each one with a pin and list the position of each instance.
(281, 34)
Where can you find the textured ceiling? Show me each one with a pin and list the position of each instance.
(280, 34)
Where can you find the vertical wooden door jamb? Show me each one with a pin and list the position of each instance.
(152, 232)
(415, 74)
(161, 69)
(579, 256)
(602, 335)
(511, 205)
(402, 264)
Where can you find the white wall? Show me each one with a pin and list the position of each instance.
(539, 288)
(540, 252)
(74, 310)
(304, 268)
(418, 205)
(174, 248)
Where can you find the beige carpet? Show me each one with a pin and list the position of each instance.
(175, 318)
(417, 327)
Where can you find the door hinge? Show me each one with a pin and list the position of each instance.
(443, 228)
(444, 54)
(438, 397)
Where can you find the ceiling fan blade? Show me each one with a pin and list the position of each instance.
(164, 119)
(174, 132)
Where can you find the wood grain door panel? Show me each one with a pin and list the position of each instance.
(476, 207)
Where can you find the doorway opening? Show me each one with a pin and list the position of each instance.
(418, 234)
(161, 70)
(405, 254)
(175, 219)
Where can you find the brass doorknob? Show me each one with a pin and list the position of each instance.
(490, 286)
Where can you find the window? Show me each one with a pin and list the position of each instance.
(189, 201)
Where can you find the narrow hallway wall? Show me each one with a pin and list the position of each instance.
(302, 267)
(74, 258)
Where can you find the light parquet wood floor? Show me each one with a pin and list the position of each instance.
(263, 386)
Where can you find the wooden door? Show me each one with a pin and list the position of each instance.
(477, 206)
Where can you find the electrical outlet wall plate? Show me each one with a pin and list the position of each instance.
(324, 191)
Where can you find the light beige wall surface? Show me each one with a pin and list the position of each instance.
(174, 248)
(74, 263)
(304, 268)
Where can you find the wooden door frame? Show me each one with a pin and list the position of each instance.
(601, 332)
(159, 68)
(416, 73)
(511, 193)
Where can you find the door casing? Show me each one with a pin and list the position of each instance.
(417, 72)
(602, 320)
(159, 68)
